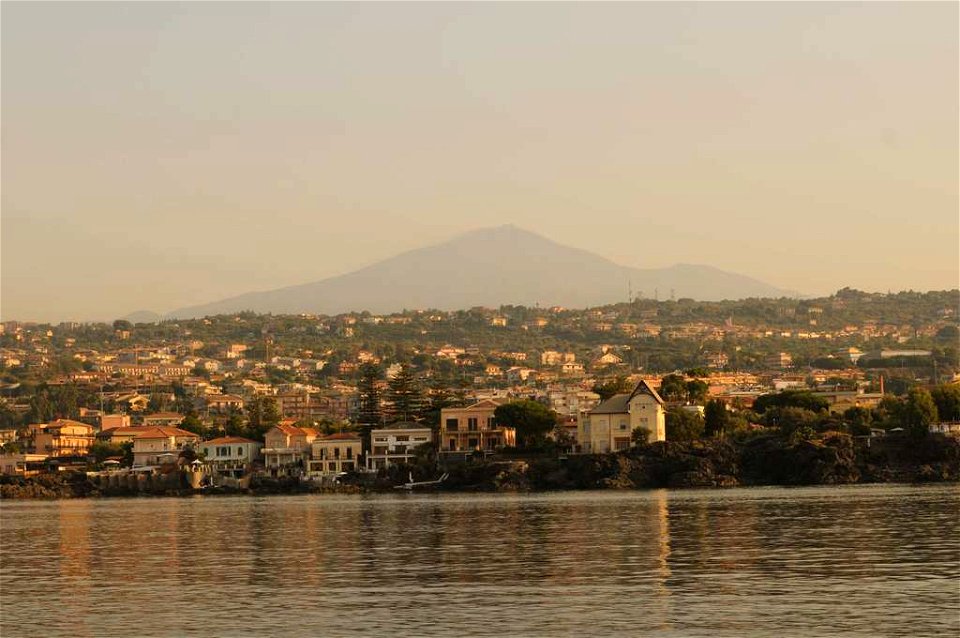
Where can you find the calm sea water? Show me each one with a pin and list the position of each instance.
(863, 561)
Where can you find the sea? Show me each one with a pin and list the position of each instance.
(875, 560)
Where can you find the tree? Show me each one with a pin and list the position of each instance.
(791, 399)
(683, 425)
(608, 388)
(440, 398)
(122, 324)
(262, 414)
(159, 402)
(716, 419)
(192, 423)
(673, 387)
(947, 398)
(369, 414)
(640, 435)
(790, 419)
(405, 395)
(531, 419)
(919, 412)
(696, 390)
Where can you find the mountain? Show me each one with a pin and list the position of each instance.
(143, 316)
(490, 267)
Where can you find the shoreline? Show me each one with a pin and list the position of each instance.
(759, 462)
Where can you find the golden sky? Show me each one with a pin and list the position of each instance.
(157, 155)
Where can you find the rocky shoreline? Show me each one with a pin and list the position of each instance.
(766, 460)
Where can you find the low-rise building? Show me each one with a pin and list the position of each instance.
(609, 426)
(61, 438)
(231, 455)
(334, 454)
(153, 446)
(286, 448)
(23, 464)
(396, 444)
(163, 419)
(474, 428)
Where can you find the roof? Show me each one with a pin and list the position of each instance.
(617, 404)
(225, 440)
(164, 433)
(645, 388)
(614, 405)
(59, 423)
(404, 425)
(164, 415)
(133, 429)
(341, 436)
(222, 397)
(287, 428)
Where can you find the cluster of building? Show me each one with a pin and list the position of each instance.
(289, 449)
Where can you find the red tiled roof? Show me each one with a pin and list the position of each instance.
(161, 432)
(133, 429)
(224, 440)
(342, 435)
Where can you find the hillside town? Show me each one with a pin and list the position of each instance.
(318, 398)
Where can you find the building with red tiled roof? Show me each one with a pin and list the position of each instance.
(285, 449)
(172, 419)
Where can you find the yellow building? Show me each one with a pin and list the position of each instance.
(62, 437)
(609, 426)
(474, 428)
(330, 455)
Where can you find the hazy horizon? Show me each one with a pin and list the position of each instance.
(160, 155)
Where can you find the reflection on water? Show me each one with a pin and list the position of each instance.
(873, 560)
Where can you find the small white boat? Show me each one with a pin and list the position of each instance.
(411, 484)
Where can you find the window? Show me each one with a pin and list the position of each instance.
(472, 443)
(349, 452)
(453, 444)
(403, 438)
(623, 425)
(239, 451)
(453, 424)
(472, 424)
(491, 422)
(332, 466)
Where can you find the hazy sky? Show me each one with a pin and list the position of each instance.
(161, 155)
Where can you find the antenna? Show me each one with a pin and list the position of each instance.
(629, 291)
(656, 294)
(672, 296)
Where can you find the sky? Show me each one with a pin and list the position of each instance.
(158, 155)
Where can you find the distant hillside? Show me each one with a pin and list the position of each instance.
(143, 316)
(490, 267)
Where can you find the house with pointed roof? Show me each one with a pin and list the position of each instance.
(609, 426)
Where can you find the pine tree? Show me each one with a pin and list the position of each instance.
(405, 396)
(369, 414)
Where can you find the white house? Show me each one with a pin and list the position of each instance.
(395, 445)
(157, 445)
(609, 426)
(231, 455)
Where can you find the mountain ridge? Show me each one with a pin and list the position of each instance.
(489, 267)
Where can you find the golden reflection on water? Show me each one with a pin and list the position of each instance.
(737, 562)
